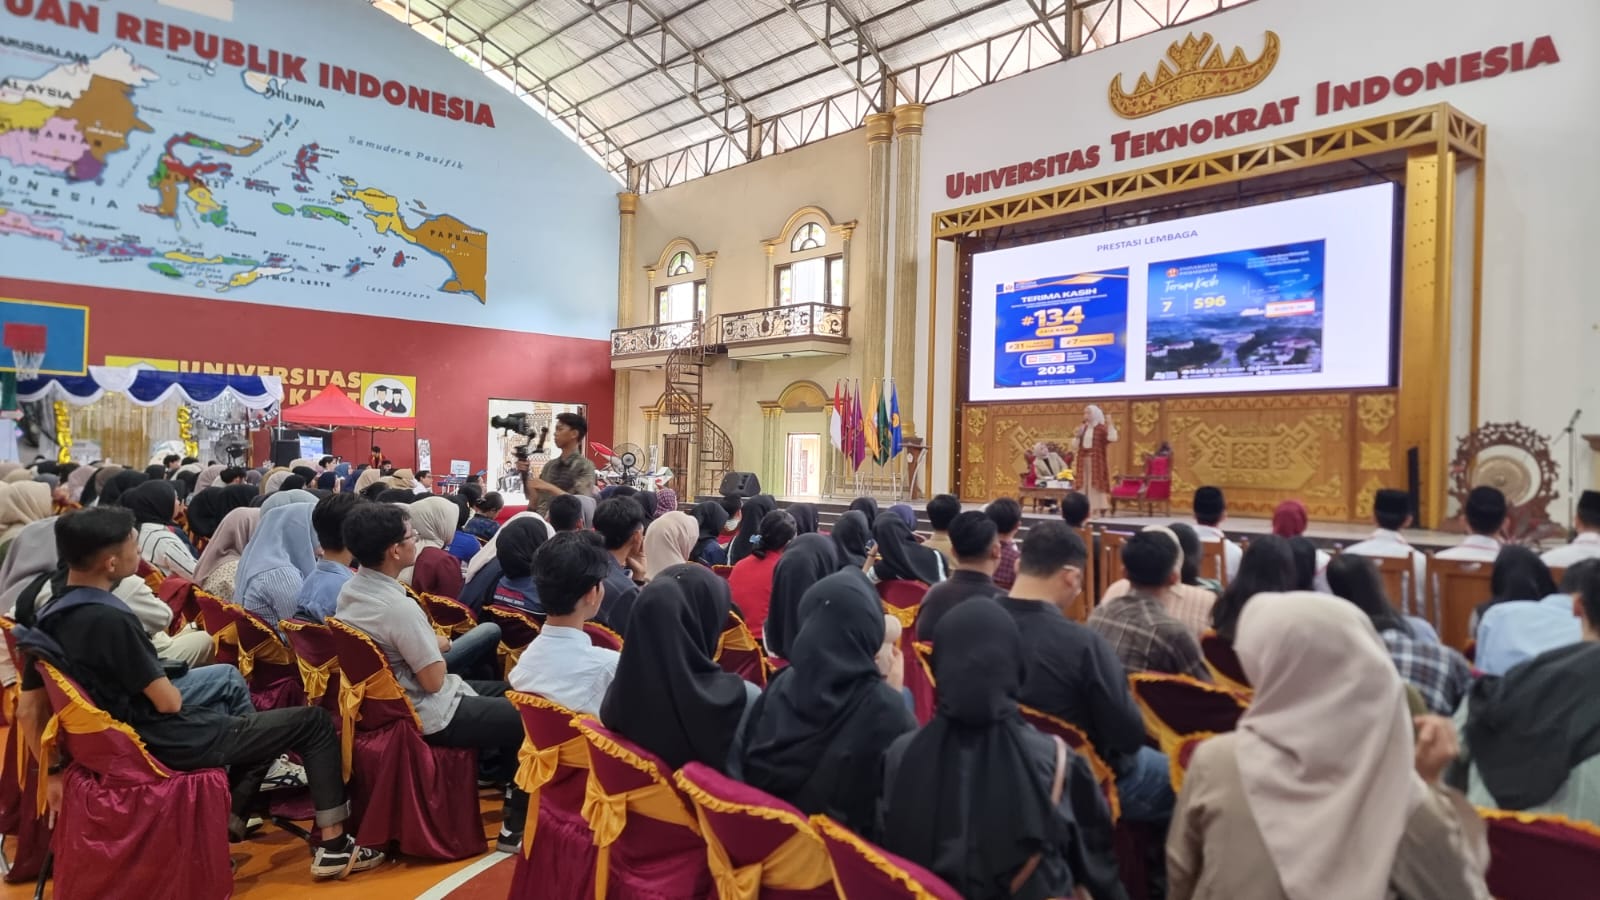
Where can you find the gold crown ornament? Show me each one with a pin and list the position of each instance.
(1199, 75)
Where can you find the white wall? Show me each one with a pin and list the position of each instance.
(1541, 315)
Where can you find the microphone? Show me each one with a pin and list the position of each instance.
(1572, 422)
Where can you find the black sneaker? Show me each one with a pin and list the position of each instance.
(339, 860)
(508, 842)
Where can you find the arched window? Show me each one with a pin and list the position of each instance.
(679, 283)
(812, 267)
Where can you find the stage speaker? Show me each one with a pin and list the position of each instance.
(741, 484)
(1414, 483)
(285, 452)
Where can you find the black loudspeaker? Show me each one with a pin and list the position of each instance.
(741, 484)
(1414, 482)
(285, 452)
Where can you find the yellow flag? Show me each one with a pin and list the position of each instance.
(871, 433)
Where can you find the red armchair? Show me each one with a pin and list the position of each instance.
(1147, 491)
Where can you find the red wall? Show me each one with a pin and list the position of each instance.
(458, 369)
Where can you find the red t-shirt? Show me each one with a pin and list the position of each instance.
(751, 584)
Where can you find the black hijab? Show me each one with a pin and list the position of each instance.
(965, 801)
(155, 472)
(1527, 730)
(187, 480)
(807, 560)
(121, 482)
(851, 535)
(669, 696)
(647, 502)
(516, 543)
(805, 517)
(866, 506)
(750, 516)
(327, 481)
(816, 737)
(151, 503)
(206, 510)
(899, 554)
(711, 516)
(292, 483)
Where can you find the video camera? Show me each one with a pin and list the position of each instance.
(521, 423)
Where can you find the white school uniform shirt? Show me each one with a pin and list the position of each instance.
(1473, 548)
(1386, 544)
(1231, 552)
(1585, 546)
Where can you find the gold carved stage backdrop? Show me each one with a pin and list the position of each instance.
(1332, 451)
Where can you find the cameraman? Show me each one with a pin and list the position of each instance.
(570, 472)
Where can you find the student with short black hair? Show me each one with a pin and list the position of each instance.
(563, 665)
(569, 472)
(1210, 510)
(231, 475)
(620, 522)
(1485, 512)
(452, 712)
(566, 513)
(1007, 516)
(1137, 625)
(942, 510)
(976, 541)
(319, 595)
(1391, 509)
(104, 648)
(1075, 508)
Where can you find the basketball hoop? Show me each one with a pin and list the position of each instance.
(27, 344)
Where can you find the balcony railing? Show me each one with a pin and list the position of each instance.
(647, 339)
(801, 320)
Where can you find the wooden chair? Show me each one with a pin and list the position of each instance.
(1214, 561)
(1458, 586)
(1399, 583)
(1091, 586)
(1109, 567)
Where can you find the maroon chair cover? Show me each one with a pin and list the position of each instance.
(452, 615)
(1221, 658)
(313, 648)
(601, 636)
(863, 871)
(178, 594)
(1079, 742)
(423, 799)
(739, 653)
(218, 618)
(902, 599)
(267, 664)
(1533, 857)
(751, 829)
(19, 793)
(559, 853)
(1177, 705)
(652, 858)
(129, 826)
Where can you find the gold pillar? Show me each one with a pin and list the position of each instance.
(908, 175)
(772, 447)
(627, 206)
(867, 311)
(652, 427)
(1423, 416)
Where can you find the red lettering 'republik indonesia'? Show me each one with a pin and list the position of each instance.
(242, 55)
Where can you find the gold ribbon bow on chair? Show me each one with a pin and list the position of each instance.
(906, 615)
(377, 686)
(270, 650)
(607, 815)
(536, 766)
(315, 678)
(799, 864)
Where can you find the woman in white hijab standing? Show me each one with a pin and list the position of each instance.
(1091, 473)
(1323, 791)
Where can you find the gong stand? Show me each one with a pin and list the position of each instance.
(1515, 459)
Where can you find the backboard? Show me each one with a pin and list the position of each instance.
(67, 336)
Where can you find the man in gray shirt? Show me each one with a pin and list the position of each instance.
(569, 473)
(453, 712)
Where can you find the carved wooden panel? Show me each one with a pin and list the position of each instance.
(1331, 451)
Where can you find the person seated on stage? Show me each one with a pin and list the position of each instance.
(1512, 632)
(1485, 511)
(563, 665)
(1267, 566)
(1392, 511)
(1289, 520)
(1074, 674)
(1317, 796)
(1075, 508)
(1210, 510)
(971, 794)
(514, 549)
(104, 648)
(975, 539)
(1137, 625)
(751, 578)
(620, 521)
(1586, 542)
(1518, 575)
(1529, 739)
(452, 712)
(1007, 516)
(482, 525)
(669, 696)
(566, 513)
(1189, 600)
(319, 595)
(941, 510)
(1439, 673)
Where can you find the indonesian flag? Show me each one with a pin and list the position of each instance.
(836, 421)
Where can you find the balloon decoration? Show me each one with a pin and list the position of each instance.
(63, 432)
(191, 447)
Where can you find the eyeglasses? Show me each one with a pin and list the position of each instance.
(412, 536)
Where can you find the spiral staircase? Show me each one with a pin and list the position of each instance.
(683, 406)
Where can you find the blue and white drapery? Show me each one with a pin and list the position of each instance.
(153, 387)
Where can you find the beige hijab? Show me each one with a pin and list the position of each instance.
(1325, 750)
(405, 479)
(229, 541)
(20, 503)
(368, 478)
(669, 541)
(16, 475)
(435, 519)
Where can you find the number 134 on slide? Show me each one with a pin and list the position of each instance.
(1068, 329)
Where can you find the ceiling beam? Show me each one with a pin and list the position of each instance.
(862, 44)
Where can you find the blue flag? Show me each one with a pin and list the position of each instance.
(894, 420)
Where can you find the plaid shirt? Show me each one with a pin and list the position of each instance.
(1005, 574)
(1147, 638)
(1438, 672)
